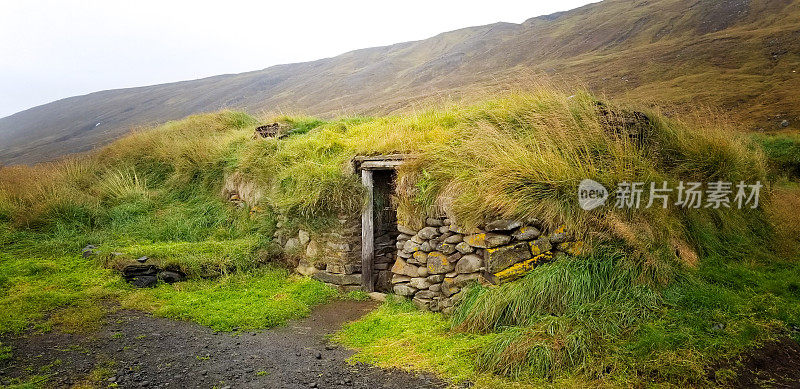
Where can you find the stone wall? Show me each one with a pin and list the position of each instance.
(433, 264)
(333, 257)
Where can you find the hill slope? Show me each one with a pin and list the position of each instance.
(742, 55)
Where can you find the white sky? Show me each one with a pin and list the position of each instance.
(60, 48)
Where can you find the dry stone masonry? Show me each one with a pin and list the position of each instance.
(434, 263)
(331, 257)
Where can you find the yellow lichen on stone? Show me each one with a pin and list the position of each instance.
(535, 250)
(561, 229)
(573, 248)
(522, 268)
(477, 240)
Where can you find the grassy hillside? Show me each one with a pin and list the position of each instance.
(737, 56)
(671, 296)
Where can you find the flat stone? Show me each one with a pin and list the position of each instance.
(454, 239)
(428, 233)
(501, 258)
(402, 267)
(419, 283)
(425, 294)
(503, 225)
(463, 279)
(438, 263)
(377, 296)
(403, 254)
(436, 278)
(487, 240)
(526, 233)
(422, 304)
(404, 237)
(422, 271)
(398, 278)
(540, 246)
(444, 229)
(435, 288)
(559, 237)
(454, 257)
(417, 239)
(338, 279)
(404, 290)
(469, 264)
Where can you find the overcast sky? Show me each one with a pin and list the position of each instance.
(60, 48)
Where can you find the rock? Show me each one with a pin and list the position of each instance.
(404, 290)
(142, 259)
(503, 225)
(464, 248)
(454, 257)
(489, 240)
(526, 233)
(559, 237)
(428, 233)
(444, 229)
(436, 278)
(305, 268)
(88, 251)
(397, 278)
(420, 283)
(337, 279)
(410, 246)
(540, 246)
(377, 296)
(419, 258)
(171, 277)
(313, 250)
(463, 279)
(402, 267)
(405, 230)
(454, 239)
(403, 237)
(292, 244)
(403, 254)
(446, 248)
(438, 263)
(416, 239)
(421, 304)
(435, 288)
(422, 271)
(426, 246)
(303, 237)
(785, 123)
(434, 222)
(500, 258)
(425, 294)
(449, 287)
(469, 264)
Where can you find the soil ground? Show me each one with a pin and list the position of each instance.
(137, 350)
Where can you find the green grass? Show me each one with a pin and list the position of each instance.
(259, 299)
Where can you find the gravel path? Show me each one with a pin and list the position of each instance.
(146, 351)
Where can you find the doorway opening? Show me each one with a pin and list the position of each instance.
(378, 220)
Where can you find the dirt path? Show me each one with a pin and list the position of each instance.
(145, 351)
